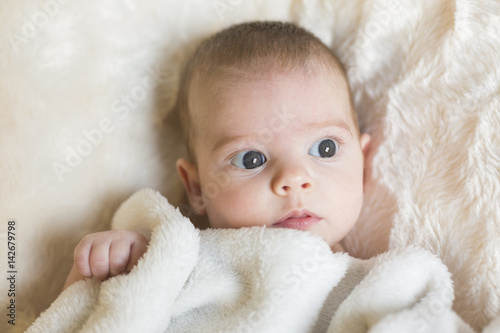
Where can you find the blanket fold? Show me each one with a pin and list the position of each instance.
(253, 280)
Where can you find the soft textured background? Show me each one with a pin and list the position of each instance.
(85, 88)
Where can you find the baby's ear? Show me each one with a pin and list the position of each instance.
(189, 176)
(364, 141)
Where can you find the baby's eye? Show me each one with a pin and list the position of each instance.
(324, 148)
(248, 159)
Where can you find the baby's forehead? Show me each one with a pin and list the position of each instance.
(212, 92)
(221, 79)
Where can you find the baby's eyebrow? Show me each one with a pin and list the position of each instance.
(339, 123)
(227, 139)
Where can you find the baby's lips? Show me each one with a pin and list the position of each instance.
(297, 213)
(298, 219)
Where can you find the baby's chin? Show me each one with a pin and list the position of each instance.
(334, 243)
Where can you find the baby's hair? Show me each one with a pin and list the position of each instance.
(249, 51)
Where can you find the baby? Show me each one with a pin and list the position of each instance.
(272, 138)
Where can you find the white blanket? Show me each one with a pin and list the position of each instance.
(253, 280)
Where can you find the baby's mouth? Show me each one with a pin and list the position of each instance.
(298, 219)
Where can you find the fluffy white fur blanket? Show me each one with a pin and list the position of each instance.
(85, 86)
(253, 280)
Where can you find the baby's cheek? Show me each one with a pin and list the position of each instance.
(235, 207)
(344, 192)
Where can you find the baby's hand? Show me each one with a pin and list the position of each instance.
(105, 254)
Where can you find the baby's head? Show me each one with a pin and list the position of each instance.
(272, 135)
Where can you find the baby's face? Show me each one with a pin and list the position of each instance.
(277, 152)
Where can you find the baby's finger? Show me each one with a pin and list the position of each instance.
(139, 246)
(119, 254)
(99, 259)
(81, 256)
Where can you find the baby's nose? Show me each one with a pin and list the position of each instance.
(291, 179)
